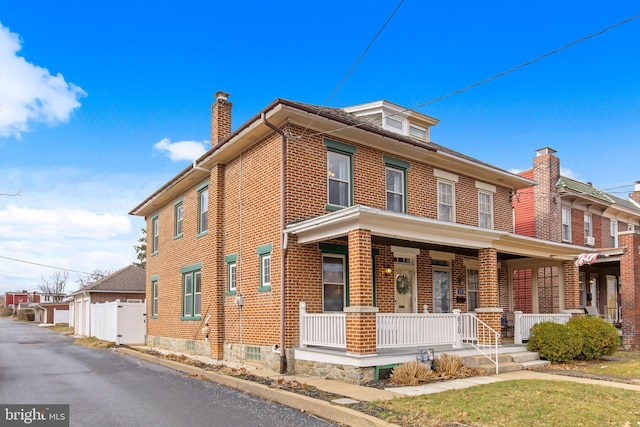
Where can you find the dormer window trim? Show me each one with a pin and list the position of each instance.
(395, 123)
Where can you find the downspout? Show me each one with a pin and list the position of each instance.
(283, 242)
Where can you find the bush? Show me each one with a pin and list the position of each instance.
(555, 342)
(600, 338)
(411, 373)
(449, 366)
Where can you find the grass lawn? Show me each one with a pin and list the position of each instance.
(528, 402)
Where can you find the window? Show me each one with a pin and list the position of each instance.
(583, 292)
(473, 289)
(333, 282)
(154, 297)
(614, 233)
(418, 132)
(485, 210)
(396, 184)
(441, 291)
(566, 224)
(445, 201)
(339, 173)
(191, 292)
(232, 266)
(588, 228)
(178, 214)
(394, 123)
(203, 210)
(264, 252)
(155, 234)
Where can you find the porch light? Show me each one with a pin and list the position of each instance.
(387, 271)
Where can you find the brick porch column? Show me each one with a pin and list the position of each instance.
(571, 282)
(489, 310)
(361, 314)
(630, 288)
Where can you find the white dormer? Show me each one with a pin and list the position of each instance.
(394, 118)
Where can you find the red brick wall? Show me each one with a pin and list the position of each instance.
(629, 283)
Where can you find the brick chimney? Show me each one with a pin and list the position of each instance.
(635, 194)
(547, 208)
(220, 118)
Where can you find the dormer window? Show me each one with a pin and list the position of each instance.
(418, 132)
(394, 123)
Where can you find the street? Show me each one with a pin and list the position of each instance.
(105, 388)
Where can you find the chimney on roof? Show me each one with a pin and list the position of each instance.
(220, 118)
(635, 195)
(547, 209)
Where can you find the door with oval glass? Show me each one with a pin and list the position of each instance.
(404, 289)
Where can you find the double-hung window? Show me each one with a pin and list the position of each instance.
(339, 174)
(155, 234)
(588, 227)
(613, 233)
(446, 195)
(178, 215)
(264, 253)
(232, 268)
(566, 224)
(203, 209)
(333, 282)
(396, 184)
(485, 210)
(154, 296)
(191, 292)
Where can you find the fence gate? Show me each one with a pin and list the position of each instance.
(132, 326)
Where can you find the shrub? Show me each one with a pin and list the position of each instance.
(555, 342)
(411, 373)
(600, 338)
(449, 366)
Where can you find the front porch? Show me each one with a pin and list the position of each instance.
(399, 336)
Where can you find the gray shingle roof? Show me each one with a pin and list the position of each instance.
(128, 279)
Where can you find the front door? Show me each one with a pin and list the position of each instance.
(404, 289)
(441, 291)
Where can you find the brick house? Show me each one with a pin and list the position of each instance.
(125, 285)
(14, 299)
(562, 209)
(325, 240)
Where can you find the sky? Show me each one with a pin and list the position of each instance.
(103, 102)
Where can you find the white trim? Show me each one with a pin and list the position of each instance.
(442, 256)
(486, 187)
(445, 175)
(401, 250)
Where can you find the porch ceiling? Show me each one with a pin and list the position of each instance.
(409, 230)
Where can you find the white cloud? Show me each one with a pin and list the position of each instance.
(569, 173)
(182, 150)
(29, 93)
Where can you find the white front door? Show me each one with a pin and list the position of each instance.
(404, 289)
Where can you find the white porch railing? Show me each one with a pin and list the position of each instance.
(481, 336)
(524, 322)
(415, 329)
(612, 314)
(323, 329)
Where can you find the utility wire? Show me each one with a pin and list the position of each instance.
(501, 74)
(353, 67)
(44, 265)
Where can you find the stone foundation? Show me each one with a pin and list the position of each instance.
(347, 374)
(200, 348)
(259, 355)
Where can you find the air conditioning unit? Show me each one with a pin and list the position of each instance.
(590, 241)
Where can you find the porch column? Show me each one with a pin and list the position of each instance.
(360, 314)
(629, 285)
(571, 282)
(489, 310)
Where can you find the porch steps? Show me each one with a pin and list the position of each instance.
(507, 362)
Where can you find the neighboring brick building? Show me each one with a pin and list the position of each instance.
(562, 209)
(126, 284)
(14, 299)
(355, 212)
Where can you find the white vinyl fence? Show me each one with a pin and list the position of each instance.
(60, 316)
(120, 322)
(524, 322)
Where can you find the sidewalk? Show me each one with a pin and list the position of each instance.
(335, 411)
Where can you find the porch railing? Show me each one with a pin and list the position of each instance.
(481, 336)
(612, 314)
(414, 329)
(524, 322)
(322, 329)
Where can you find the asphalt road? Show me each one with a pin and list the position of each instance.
(105, 388)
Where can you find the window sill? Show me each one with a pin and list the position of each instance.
(264, 289)
(177, 236)
(231, 293)
(154, 253)
(334, 207)
(198, 318)
(204, 233)
(153, 316)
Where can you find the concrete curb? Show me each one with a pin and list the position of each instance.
(320, 408)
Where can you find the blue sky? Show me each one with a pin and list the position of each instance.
(102, 103)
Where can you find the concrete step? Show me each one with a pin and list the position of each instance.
(525, 356)
(535, 364)
(480, 360)
(502, 367)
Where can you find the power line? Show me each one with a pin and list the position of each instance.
(353, 67)
(43, 265)
(498, 75)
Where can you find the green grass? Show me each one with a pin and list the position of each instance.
(519, 403)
